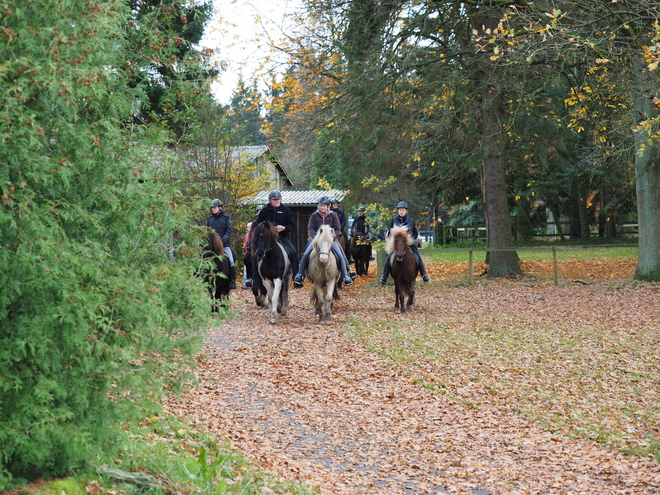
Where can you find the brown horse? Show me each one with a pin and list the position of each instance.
(216, 272)
(361, 252)
(404, 267)
(324, 272)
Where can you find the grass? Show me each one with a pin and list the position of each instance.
(183, 459)
(529, 253)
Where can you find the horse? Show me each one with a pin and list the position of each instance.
(323, 270)
(272, 270)
(404, 266)
(361, 252)
(217, 274)
(341, 240)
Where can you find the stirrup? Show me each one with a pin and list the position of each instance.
(383, 280)
(425, 278)
(348, 280)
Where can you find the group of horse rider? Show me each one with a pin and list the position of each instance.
(327, 213)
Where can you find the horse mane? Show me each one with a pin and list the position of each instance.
(394, 233)
(215, 241)
(325, 231)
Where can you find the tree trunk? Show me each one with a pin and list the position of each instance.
(647, 174)
(493, 181)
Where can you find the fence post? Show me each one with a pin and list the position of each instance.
(554, 265)
(381, 259)
(471, 267)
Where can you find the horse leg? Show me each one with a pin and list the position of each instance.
(329, 292)
(275, 299)
(411, 298)
(286, 283)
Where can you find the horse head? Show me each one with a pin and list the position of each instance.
(263, 239)
(322, 242)
(399, 242)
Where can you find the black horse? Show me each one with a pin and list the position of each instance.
(271, 270)
(361, 252)
(215, 266)
(404, 267)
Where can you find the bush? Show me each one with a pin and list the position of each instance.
(94, 315)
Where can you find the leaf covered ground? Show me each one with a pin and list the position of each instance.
(497, 387)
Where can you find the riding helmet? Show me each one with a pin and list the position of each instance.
(216, 202)
(334, 200)
(275, 194)
(402, 204)
(324, 200)
(362, 208)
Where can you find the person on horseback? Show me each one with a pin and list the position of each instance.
(219, 221)
(323, 216)
(361, 227)
(280, 216)
(334, 206)
(402, 219)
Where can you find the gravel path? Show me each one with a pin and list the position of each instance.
(313, 405)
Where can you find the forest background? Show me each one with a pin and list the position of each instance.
(112, 144)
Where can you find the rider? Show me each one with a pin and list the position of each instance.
(219, 221)
(334, 206)
(280, 216)
(361, 227)
(323, 216)
(403, 220)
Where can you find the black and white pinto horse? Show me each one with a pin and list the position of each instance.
(271, 263)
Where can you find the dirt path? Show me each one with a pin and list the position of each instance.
(313, 405)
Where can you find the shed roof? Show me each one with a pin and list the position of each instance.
(300, 198)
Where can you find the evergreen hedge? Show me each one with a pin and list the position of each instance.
(95, 316)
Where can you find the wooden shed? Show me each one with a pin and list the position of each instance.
(302, 204)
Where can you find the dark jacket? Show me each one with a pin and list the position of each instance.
(341, 216)
(406, 221)
(361, 227)
(281, 216)
(221, 223)
(316, 220)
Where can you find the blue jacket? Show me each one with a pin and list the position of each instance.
(221, 223)
(406, 221)
(341, 216)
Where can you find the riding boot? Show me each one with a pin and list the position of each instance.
(386, 270)
(341, 260)
(300, 276)
(422, 268)
(232, 277)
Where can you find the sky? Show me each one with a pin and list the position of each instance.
(239, 33)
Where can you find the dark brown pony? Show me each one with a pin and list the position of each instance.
(271, 268)
(361, 252)
(215, 266)
(404, 267)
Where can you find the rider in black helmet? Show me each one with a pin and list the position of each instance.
(219, 221)
(280, 215)
(323, 216)
(402, 219)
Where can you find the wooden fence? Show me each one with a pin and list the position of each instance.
(554, 249)
(444, 234)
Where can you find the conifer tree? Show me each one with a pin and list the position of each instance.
(94, 316)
